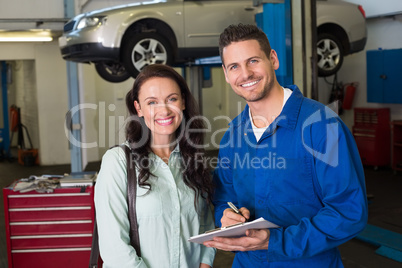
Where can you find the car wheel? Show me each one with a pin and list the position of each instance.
(145, 49)
(329, 54)
(112, 71)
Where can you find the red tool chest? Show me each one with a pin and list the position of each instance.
(47, 230)
(397, 145)
(372, 134)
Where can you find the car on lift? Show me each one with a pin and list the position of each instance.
(122, 40)
(341, 31)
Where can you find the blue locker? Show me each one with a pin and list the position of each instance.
(384, 71)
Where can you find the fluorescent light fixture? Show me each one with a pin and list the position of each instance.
(26, 36)
(25, 39)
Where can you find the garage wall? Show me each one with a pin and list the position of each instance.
(31, 9)
(25, 97)
(52, 103)
(381, 34)
(44, 74)
(39, 84)
(103, 124)
(11, 88)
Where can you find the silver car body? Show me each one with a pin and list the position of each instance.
(347, 16)
(182, 30)
(186, 18)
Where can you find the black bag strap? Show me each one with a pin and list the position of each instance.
(131, 199)
(132, 215)
(93, 259)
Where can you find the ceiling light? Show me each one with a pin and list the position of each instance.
(26, 36)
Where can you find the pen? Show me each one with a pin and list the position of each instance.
(235, 209)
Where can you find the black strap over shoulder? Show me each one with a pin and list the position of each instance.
(131, 199)
(93, 259)
(132, 215)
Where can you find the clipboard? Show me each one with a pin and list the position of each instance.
(235, 230)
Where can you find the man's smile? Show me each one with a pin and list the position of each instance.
(249, 84)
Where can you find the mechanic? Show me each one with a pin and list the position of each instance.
(288, 159)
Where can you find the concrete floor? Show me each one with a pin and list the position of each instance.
(385, 211)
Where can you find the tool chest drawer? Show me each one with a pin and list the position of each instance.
(50, 213)
(49, 229)
(66, 197)
(371, 130)
(51, 241)
(371, 116)
(48, 258)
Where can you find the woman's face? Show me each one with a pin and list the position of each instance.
(161, 104)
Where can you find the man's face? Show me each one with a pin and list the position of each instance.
(248, 70)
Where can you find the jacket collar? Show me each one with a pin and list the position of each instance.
(287, 118)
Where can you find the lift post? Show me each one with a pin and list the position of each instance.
(73, 121)
(5, 129)
(276, 22)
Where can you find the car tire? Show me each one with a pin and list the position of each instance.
(112, 71)
(329, 54)
(145, 49)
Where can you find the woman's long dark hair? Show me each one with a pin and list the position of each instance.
(196, 173)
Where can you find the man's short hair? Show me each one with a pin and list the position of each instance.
(243, 32)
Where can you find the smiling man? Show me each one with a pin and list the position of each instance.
(316, 195)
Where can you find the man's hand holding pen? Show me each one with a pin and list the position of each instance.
(254, 239)
(233, 215)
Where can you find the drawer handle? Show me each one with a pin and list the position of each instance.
(49, 250)
(47, 195)
(363, 130)
(48, 209)
(49, 236)
(50, 222)
(364, 135)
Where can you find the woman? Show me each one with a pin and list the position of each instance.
(174, 184)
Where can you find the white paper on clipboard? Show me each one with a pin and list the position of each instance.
(236, 230)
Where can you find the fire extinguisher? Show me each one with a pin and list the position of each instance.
(14, 118)
(350, 90)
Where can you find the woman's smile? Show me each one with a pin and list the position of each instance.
(165, 121)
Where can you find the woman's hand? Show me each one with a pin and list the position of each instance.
(203, 265)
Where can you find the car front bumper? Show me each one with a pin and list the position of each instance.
(89, 52)
(88, 45)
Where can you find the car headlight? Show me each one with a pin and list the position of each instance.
(90, 22)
